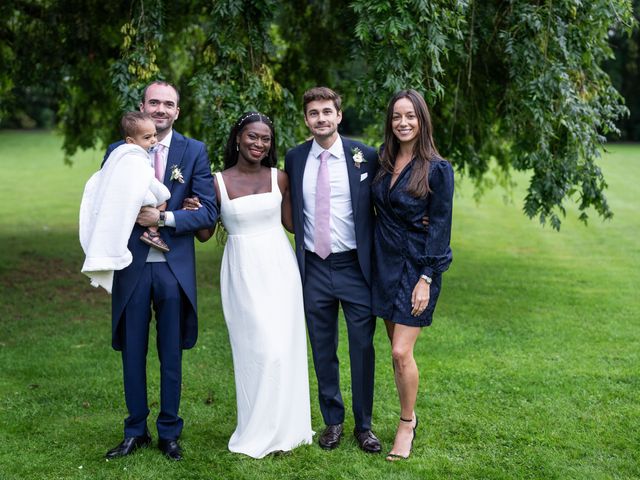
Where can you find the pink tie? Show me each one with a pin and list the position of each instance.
(158, 164)
(322, 241)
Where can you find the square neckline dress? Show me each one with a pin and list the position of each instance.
(261, 293)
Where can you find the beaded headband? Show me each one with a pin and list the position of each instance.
(253, 114)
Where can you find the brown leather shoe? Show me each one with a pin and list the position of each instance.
(368, 441)
(330, 438)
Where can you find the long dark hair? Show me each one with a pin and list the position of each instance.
(424, 149)
(231, 151)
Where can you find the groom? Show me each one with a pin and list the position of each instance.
(165, 281)
(333, 225)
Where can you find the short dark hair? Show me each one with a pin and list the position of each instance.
(321, 93)
(166, 84)
(130, 121)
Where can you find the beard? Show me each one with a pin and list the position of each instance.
(162, 123)
(327, 133)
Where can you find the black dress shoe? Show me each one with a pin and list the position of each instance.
(171, 449)
(129, 445)
(368, 441)
(330, 438)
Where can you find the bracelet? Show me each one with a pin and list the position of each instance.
(426, 279)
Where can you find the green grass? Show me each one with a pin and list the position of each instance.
(530, 370)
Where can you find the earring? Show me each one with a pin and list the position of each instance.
(237, 147)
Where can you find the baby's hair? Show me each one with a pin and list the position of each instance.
(130, 121)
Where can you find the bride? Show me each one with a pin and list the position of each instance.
(261, 294)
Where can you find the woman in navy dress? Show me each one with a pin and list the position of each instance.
(413, 182)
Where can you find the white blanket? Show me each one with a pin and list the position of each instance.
(110, 204)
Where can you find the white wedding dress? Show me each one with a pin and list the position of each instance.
(262, 304)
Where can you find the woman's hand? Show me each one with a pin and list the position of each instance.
(191, 203)
(420, 297)
(205, 234)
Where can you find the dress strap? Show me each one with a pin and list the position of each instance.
(274, 180)
(222, 187)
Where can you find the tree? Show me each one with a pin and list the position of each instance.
(517, 81)
(624, 71)
(514, 82)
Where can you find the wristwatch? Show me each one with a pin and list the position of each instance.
(426, 279)
(161, 219)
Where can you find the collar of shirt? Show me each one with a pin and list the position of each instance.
(166, 142)
(336, 150)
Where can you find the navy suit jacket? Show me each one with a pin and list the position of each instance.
(360, 179)
(190, 156)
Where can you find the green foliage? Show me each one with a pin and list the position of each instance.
(519, 82)
(405, 43)
(557, 111)
(317, 47)
(515, 82)
(7, 57)
(236, 75)
(624, 70)
(137, 66)
(62, 54)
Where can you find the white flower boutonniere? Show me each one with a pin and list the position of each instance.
(176, 174)
(358, 157)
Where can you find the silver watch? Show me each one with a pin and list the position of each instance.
(426, 279)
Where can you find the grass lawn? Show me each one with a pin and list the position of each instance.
(531, 369)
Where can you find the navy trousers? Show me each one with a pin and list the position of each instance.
(158, 287)
(328, 283)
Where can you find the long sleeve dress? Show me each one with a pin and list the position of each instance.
(404, 249)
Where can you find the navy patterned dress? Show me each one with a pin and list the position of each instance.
(404, 249)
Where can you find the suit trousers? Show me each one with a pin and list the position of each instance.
(338, 280)
(157, 286)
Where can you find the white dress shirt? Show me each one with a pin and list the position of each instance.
(343, 233)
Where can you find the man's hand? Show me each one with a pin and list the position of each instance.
(148, 216)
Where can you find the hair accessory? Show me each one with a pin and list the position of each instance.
(252, 114)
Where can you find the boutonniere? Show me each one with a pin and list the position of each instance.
(176, 174)
(358, 157)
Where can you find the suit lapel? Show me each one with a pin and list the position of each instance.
(176, 153)
(300, 164)
(354, 176)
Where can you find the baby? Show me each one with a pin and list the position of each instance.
(113, 197)
(138, 128)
